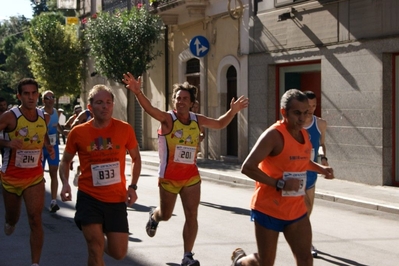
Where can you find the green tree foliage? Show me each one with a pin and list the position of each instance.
(14, 61)
(56, 54)
(123, 42)
(17, 63)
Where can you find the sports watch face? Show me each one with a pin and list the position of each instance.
(280, 184)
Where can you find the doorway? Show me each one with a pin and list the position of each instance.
(193, 76)
(232, 128)
(301, 76)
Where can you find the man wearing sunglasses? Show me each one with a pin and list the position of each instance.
(53, 127)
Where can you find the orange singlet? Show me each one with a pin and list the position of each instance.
(294, 158)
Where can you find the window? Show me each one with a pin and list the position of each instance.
(193, 66)
(278, 3)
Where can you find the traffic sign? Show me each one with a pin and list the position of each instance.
(199, 46)
(72, 20)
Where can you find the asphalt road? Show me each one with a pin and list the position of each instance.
(345, 235)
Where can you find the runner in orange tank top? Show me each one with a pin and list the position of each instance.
(278, 163)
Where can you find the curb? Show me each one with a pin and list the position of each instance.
(217, 176)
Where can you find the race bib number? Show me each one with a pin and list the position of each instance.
(296, 175)
(53, 139)
(27, 158)
(185, 154)
(106, 174)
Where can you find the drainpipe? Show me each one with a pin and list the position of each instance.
(166, 67)
(205, 86)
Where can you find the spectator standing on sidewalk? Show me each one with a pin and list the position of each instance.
(52, 129)
(82, 117)
(25, 134)
(278, 163)
(178, 142)
(76, 111)
(316, 128)
(62, 121)
(102, 198)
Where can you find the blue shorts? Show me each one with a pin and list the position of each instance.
(46, 157)
(311, 178)
(272, 223)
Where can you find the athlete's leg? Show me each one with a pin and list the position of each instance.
(299, 237)
(95, 241)
(266, 241)
(309, 199)
(12, 206)
(116, 244)
(190, 197)
(34, 202)
(167, 203)
(53, 169)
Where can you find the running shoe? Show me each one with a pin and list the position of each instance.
(238, 253)
(188, 260)
(314, 252)
(54, 207)
(152, 225)
(8, 229)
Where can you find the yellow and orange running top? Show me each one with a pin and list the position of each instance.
(178, 149)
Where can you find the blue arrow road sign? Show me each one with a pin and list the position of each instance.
(199, 46)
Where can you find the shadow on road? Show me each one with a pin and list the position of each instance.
(64, 244)
(234, 210)
(338, 260)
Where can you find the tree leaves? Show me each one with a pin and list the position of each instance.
(123, 41)
(56, 54)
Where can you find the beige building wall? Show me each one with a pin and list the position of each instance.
(222, 33)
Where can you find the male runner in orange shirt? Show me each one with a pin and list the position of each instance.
(103, 196)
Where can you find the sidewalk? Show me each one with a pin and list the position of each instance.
(381, 198)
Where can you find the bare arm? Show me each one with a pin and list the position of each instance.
(136, 170)
(321, 169)
(135, 86)
(81, 118)
(225, 119)
(322, 124)
(8, 121)
(263, 148)
(69, 122)
(270, 143)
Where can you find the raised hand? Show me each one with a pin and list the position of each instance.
(239, 104)
(131, 83)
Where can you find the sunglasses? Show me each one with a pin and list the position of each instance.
(49, 97)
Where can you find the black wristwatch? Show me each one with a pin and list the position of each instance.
(280, 184)
(134, 186)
